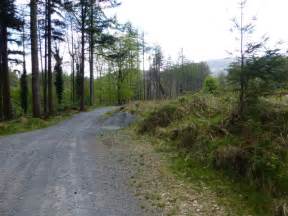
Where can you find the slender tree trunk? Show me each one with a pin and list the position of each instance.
(242, 87)
(34, 60)
(73, 80)
(24, 84)
(1, 73)
(72, 54)
(1, 90)
(45, 76)
(49, 44)
(91, 60)
(82, 64)
(119, 82)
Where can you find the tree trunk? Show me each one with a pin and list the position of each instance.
(91, 62)
(119, 83)
(7, 108)
(24, 84)
(82, 64)
(49, 44)
(34, 60)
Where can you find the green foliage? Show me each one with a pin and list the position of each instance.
(210, 85)
(251, 152)
(106, 91)
(260, 76)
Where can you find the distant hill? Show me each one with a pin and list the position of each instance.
(219, 65)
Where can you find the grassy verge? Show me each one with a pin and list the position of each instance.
(242, 161)
(27, 123)
(171, 181)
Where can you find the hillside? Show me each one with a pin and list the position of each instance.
(243, 161)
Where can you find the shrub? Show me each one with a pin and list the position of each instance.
(210, 85)
(161, 118)
(231, 158)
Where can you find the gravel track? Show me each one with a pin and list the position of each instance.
(64, 171)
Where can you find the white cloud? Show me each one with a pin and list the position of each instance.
(201, 27)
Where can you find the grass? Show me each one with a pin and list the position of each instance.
(27, 123)
(242, 198)
(244, 161)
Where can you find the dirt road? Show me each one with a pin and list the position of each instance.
(64, 171)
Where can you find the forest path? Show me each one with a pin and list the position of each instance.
(65, 171)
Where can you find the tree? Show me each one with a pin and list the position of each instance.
(248, 49)
(59, 83)
(263, 75)
(8, 19)
(210, 85)
(54, 29)
(90, 22)
(23, 79)
(34, 60)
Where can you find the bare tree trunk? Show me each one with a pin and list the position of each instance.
(242, 87)
(1, 90)
(91, 60)
(24, 84)
(72, 55)
(82, 64)
(119, 87)
(46, 65)
(34, 60)
(50, 78)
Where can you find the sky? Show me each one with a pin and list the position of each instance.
(202, 27)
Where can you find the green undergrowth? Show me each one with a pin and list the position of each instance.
(244, 159)
(27, 123)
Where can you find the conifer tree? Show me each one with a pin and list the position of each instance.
(8, 20)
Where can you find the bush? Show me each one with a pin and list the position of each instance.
(231, 158)
(210, 85)
(161, 118)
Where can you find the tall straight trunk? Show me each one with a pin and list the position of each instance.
(45, 101)
(1, 91)
(45, 75)
(72, 54)
(119, 82)
(7, 107)
(144, 75)
(1, 75)
(49, 44)
(91, 56)
(1, 97)
(73, 80)
(82, 64)
(242, 88)
(34, 60)
(24, 87)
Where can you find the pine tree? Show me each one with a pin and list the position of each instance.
(8, 19)
(34, 59)
(59, 82)
(23, 78)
